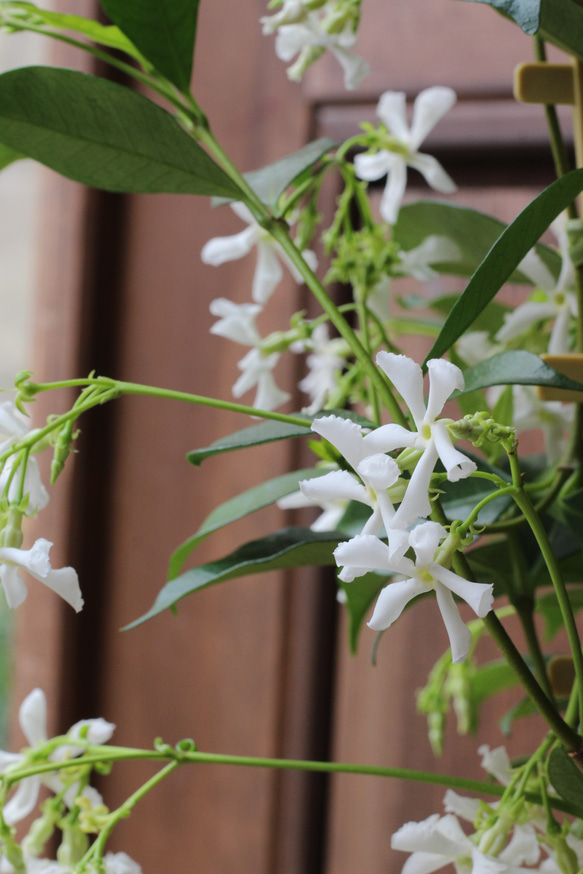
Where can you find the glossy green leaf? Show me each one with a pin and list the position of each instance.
(270, 182)
(247, 502)
(474, 233)
(102, 134)
(268, 432)
(460, 498)
(360, 594)
(163, 30)
(105, 35)
(565, 776)
(505, 256)
(516, 368)
(526, 13)
(288, 548)
(489, 563)
(7, 156)
(491, 319)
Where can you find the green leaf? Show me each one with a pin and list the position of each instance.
(460, 498)
(490, 320)
(105, 35)
(526, 13)
(505, 256)
(488, 564)
(360, 594)
(516, 368)
(102, 134)
(503, 409)
(548, 605)
(243, 504)
(270, 182)
(163, 30)
(473, 232)
(268, 432)
(288, 548)
(490, 679)
(525, 707)
(565, 776)
(7, 157)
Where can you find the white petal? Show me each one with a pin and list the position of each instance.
(9, 759)
(534, 268)
(425, 539)
(444, 378)
(433, 250)
(38, 497)
(523, 317)
(32, 717)
(23, 801)
(291, 39)
(268, 273)
(334, 485)
(330, 518)
(433, 173)
(457, 465)
(14, 587)
(479, 596)
(365, 552)
(236, 321)
(10, 422)
(425, 863)
(344, 434)
(35, 560)
(221, 249)
(386, 438)
(394, 190)
(460, 805)
(269, 396)
(120, 863)
(354, 67)
(379, 470)
(559, 340)
(482, 864)
(428, 837)
(496, 763)
(459, 635)
(429, 108)
(392, 111)
(243, 212)
(65, 582)
(392, 601)
(95, 731)
(416, 502)
(372, 167)
(407, 377)
(523, 848)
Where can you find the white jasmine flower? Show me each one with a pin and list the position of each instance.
(377, 473)
(496, 763)
(403, 151)
(432, 436)
(63, 581)
(367, 553)
(32, 717)
(462, 806)
(333, 509)
(475, 346)
(268, 272)
(236, 321)
(561, 302)
(256, 371)
(13, 427)
(325, 361)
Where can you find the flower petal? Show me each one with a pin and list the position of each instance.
(429, 108)
(444, 378)
(527, 314)
(394, 190)
(32, 717)
(372, 167)
(334, 485)
(425, 539)
(14, 587)
(221, 249)
(345, 435)
(523, 848)
(365, 552)
(379, 470)
(416, 502)
(65, 582)
(425, 863)
(459, 635)
(460, 805)
(268, 273)
(428, 837)
(407, 377)
(433, 250)
(457, 465)
(535, 269)
(386, 438)
(392, 601)
(479, 596)
(433, 173)
(354, 67)
(23, 801)
(496, 763)
(559, 339)
(392, 111)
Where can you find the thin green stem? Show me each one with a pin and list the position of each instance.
(473, 517)
(533, 519)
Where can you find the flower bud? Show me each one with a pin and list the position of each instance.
(74, 845)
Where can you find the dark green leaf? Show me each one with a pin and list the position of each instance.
(268, 432)
(548, 605)
(473, 232)
(565, 776)
(491, 678)
(490, 320)
(525, 707)
(568, 509)
(270, 182)
(163, 30)
(460, 498)
(503, 409)
(360, 594)
(489, 563)
(243, 504)
(526, 13)
(7, 156)
(288, 548)
(505, 256)
(516, 368)
(102, 134)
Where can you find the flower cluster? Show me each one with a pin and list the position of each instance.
(376, 481)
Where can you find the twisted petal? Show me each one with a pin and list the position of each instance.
(392, 601)
(407, 377)
(457, 465)
(372, 167)
(65, 582)
(444, 378)
(527, 314)
(379, 470)
(236, 321)
(365, 552)
(345, 435)
(416, 502)
(221, 249)
(429, 108)
(435, 834)
(459, 635)
(291, 39)
(482, 864)
(394, 189)
(479, 596)
(460, 805)
(23, 801)
(338, 484)
(354, 67)
(425, 539)
(433, 173)
(32, 717)
(10, 422)
(392, 111)
(268, 273)
(496, 763)
(121, 863)
(386, 438)
(94, 731)
(523, 848)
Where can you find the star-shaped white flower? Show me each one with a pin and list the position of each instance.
(367, 553)
(64, 581)
(429, 108)
(325, 361)
(561, 302)
(236, 321)
(432, 436)
(13, 427)
(32, 717)
(268, 272)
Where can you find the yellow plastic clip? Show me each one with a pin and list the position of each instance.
(570, 365)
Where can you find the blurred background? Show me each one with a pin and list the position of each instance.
(95, 281)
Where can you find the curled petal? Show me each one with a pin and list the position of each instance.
(444, 378)
(460, 805)
(379, 470)
(433, 250)
(345, 435)
(433, 173)
(338, 484)
(535, 269)
(429, 108)
(392, 601)
(482, 864)
(431, 836)
(236, 321)
(268, 273)
(407, 377)
(392, 111)
(496, 763)
(459, 635)
(386, 438)
(523, 848)
(373, 167)
(354, 67)
(416, 502)
(425, 539)
(425, 863)
(365, 552)
(23, 801)
(457, 465)
(65, 582)
(121, 863)
(394, 192)
(479, 596)
(221, 249)
(527, 314)
(32, 717)
(10, 423)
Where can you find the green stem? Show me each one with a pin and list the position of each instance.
(477, 509)
(550, 560)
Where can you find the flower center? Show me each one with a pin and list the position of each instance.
(426, 577)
